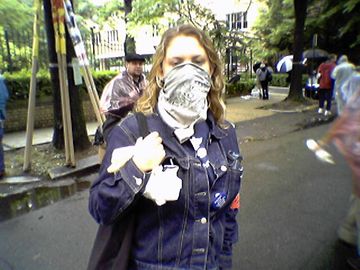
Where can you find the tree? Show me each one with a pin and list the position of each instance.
(295, 92)
(80, 137)
(336, 23)
(129, 45)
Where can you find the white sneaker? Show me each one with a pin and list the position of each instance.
(327, 113)
(321, 110)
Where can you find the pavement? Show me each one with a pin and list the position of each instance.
(15, 140)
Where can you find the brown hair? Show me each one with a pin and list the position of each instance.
(148, 101)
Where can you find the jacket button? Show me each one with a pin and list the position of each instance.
(138, 181)
(223, 168)
(203, 220)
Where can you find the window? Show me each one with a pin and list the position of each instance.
(237, 20)
(155, 30)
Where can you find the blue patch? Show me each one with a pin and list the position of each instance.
(219, 200)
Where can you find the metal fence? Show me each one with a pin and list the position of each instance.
(104, 49)
(16, 49)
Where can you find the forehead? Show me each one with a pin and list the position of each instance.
(184, 46)
(135, 62)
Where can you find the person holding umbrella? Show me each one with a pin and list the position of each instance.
(326, 84)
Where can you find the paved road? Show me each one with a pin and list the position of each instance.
(291, 205)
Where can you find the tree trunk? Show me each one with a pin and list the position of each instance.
(296, 86)
(58, 137)
(129, 45)
(80, 136)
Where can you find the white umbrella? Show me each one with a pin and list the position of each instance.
(285, 64)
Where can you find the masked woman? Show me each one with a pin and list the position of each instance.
(182, 181)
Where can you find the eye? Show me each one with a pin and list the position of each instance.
(199, 62)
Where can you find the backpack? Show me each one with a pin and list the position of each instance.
(268, 76)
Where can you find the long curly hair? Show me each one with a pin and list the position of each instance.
(147, 102)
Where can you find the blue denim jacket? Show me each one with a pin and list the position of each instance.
(185, 234)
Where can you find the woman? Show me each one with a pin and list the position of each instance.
(184, 177)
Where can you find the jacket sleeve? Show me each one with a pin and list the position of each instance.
(111, 194)
(230, 237)
(231, 225)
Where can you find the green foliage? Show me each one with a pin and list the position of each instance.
(18, 83)
(279, 79)
(241, 88)
(16, 14)
(335, 21)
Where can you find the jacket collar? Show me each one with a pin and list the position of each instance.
(214, 129)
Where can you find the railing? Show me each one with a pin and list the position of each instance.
(16, 49)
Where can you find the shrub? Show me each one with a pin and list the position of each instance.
(241, 88)
(18, 83)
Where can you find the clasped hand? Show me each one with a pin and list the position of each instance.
(147, 154)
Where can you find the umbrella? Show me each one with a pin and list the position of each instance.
(285, 64)
(315, 54)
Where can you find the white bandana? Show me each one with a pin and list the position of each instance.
(183, 99)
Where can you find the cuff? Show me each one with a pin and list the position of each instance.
(225, 262)
(133, 176)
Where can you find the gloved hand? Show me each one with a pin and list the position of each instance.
(119, 157)
(163, 185)
(147, 154)
(320, 153)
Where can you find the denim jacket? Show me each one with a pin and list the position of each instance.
(185, 234)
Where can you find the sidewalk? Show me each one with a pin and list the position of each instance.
(15, 140)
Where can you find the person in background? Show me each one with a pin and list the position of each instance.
(4, 96)
(184, 178)
(326, 85)
(264, 75)
(341, 73)
(120, 95)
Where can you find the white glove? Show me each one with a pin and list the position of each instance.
(119, 157)
(163, 184)
(320, 153)
(147, 153)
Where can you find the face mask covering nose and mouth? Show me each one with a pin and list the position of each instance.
(183, 101)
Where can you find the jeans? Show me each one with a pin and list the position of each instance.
(2, 165)
(325, 95)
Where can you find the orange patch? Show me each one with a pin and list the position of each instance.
(235, 203)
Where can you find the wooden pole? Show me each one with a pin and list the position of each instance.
(60, 44)
(32, 90)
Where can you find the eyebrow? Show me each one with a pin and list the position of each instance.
(197, 56)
